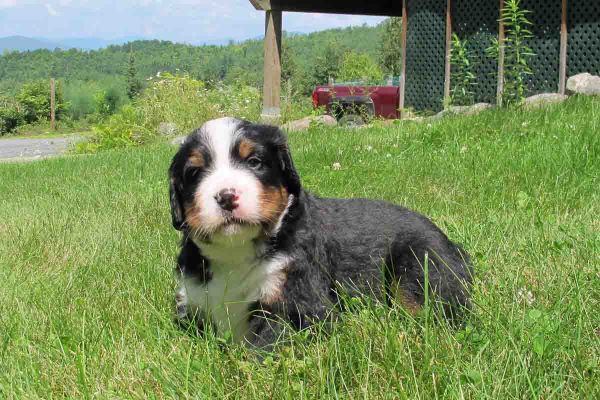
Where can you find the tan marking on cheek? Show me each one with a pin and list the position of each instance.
(246, 148)
(192, 213)
(273, 201)
(196, 159)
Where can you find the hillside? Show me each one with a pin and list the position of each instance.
(22, 43)
(241, 61)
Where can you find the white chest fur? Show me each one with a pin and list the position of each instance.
(238, 279)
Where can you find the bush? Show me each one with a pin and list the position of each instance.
(34, 101)
(359, 67)
(185, 102)
(10, 117)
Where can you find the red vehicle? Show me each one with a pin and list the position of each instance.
(356, 104)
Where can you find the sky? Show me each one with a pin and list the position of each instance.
(190, 21)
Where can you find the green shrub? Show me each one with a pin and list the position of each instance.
(34, 100)
(175, 99)
(359, 67)
(107, 102)
(10, 116)
(463, 79)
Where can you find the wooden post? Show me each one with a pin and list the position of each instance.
(562, 70)
(272, 66)
(402, 82)
(500, 87)
(52, 104)
(448, 52)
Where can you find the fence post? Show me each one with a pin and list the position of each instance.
(272, 66)
(564, 34)
(500, 87)
(52, 104)
(402, 82)
(448, 53)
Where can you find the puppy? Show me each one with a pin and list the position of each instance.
(258, 250)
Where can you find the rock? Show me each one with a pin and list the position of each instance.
(305, 123)
(462, 110)
(542, 99)
(178, 140)
(167, 128)
(586, 84)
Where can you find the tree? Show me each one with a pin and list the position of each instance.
(289, 68)
(359, 67)
(134, 86)
(327, 65)
(390, 46)
(34, 100)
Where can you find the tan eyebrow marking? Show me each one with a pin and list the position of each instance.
(196, 159)
(246, 148)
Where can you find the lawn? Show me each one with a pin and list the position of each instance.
(87, 250)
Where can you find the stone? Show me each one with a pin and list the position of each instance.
(305, 123)
(167, 128)
(178, 140)
(586, 84)
(462, 110)
(542, 99)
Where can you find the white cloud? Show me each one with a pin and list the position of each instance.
(8, 3)
(194, 21)
(51, 11)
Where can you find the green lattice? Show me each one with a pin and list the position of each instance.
(425, 54)
(545, 16)
(584, 37)
(477, 22)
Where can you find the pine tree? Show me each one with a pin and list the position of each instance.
(134, 86)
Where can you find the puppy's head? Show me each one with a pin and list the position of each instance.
(229, 176)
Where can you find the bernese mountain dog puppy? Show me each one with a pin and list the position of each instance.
(260, 253)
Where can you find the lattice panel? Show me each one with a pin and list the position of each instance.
(584, 37)
(425, 54)
(545, 16)
(477, 22)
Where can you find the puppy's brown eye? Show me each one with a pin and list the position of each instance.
(192, 172)
(254, 162)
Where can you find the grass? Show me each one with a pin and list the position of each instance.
(87, 250)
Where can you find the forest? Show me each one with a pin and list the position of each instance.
(92, 84)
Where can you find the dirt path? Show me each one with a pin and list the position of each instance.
(30, 149)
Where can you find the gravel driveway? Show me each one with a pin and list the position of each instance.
(31, 149)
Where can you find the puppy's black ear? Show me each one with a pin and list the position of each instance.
(175, 198)
(291, 180)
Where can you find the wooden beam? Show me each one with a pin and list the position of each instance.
(501, 38)
(564, 37)
(272, 66)
(448, 52)
(52, 104)
(264, 5)
(402, 82)
(387, 8)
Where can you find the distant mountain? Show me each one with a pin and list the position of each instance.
(92, 43)
(22, 43)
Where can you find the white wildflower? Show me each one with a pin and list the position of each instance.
(525, 296)
(336, 166)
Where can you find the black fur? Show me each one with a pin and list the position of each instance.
(362, 246)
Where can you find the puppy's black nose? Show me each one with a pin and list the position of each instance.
(227, 199)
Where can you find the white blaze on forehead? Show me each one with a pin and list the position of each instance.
(220, 136)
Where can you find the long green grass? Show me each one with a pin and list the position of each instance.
(87, 251)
